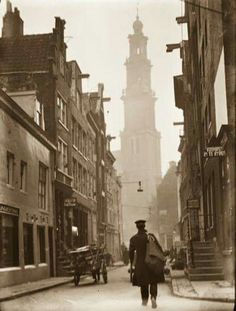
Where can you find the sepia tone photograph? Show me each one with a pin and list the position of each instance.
(117, 155)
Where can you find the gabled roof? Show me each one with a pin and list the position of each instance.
(25, 53)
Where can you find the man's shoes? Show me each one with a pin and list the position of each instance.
(154, 304)
(144, 302)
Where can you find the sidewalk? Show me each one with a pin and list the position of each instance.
(221, 291)
(16, 291)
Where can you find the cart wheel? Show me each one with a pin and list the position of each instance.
(76, 279)
(104, 275)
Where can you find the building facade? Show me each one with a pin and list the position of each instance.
(206, 92)
(73, 121)
(114, 211)
(97, 121)
(26, 196)
(140, 141)
(167, 207)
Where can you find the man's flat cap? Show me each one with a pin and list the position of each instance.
(140, 221)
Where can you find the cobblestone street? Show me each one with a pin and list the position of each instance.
(117, 295)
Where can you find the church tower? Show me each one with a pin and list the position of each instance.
(140, 141)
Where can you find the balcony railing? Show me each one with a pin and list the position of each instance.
(64, 178)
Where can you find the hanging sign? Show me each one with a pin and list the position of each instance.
(212, 152)
(70, 202)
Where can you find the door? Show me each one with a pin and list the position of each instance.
(51, 252)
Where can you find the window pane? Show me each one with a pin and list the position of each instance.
(41, 244)
(28, 244)
(42, 186)
(9, 254)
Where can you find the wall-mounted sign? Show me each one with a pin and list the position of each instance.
(212, 152)
(193, 203)
(9, 210)
(70, 202)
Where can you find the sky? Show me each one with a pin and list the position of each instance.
(96, 34)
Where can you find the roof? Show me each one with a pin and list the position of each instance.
(17, 113)
(25, 53)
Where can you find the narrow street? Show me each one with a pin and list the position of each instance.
(118, 295)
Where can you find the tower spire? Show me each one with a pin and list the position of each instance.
(137, 9)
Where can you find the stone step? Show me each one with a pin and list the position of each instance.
(207, 263)
(206, 277)
(200, 243)
(204, 249)
(206, 270)
(204, 256)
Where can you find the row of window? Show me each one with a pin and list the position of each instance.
(9, 245)
(82, 141)
(42, 181)
(11, 172)
(83, 180)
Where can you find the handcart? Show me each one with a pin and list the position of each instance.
(89, 260)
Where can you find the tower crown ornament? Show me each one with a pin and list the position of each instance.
(137, 25)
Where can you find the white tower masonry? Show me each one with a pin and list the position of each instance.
(140, 141)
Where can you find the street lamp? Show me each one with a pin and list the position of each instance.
(140, 189)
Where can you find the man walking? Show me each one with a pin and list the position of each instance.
(143, 277)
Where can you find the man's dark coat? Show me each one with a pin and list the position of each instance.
(142, 275)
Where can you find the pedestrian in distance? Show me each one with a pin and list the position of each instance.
(125, 254)
(143, 275)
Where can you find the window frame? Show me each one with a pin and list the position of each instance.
(43, 188)
(41, 239)
(63, 113)
(14, 243)
(23, 176)
(28, 245)
(10, 168)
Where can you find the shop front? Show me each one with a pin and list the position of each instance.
(26, 243)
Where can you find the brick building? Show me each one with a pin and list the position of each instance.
(35, 72)
(167, 207)
(26, 195)
(206, 93)
(97, 121)
(113, 203)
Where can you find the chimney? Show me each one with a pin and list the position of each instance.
(12, 23)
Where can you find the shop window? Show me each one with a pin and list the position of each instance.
(41, 244)
(28, 244)
(23, 176)
(42, 192)
(10, 168)
(9, 250)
